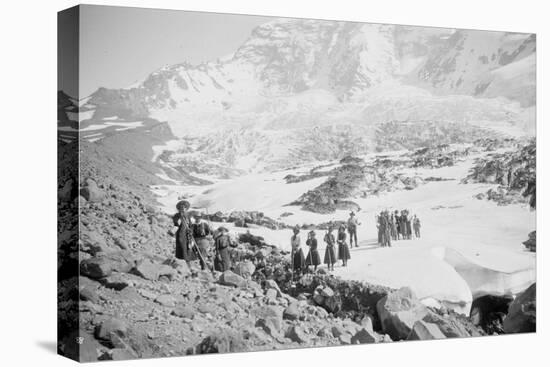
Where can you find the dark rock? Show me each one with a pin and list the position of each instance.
(115, 281)
(297, 334)
(363, 336)
(531, 243)
(223, 341)
(522, 316)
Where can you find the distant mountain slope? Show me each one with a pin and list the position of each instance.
(297, 77)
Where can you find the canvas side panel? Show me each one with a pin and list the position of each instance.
(67, 183)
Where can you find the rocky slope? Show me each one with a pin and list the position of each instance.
(514, 172)
(356, 177)
(136, 300)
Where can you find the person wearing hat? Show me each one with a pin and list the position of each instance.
(182, 221)
(298, 260)
(343, 250)
(330, 255)
(222, 242)
(352, 229)
(313, 257)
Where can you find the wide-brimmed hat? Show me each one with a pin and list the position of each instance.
(182, 204)
(312, 233)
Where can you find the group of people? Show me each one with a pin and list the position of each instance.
(336, 249)
(195, 239)
(396, 226)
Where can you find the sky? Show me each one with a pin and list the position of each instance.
(119, 45)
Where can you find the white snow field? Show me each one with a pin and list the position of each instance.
(468, 247)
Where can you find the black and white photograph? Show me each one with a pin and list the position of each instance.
(234, 183)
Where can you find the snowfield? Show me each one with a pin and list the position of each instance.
(469, 247)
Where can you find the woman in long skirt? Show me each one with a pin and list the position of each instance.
(343, 250)
(330, 255)
(298, 260)
(313, 257)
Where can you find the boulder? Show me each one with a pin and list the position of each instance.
(297, 334)
(153, 271)
(93, 243)
(327, 298)
(450, 327)
(271, 284)
(292, 312)
(111, 330)
(270, 315)
(186, 312)
(179, 265)
(522, 315)
(345, 339)
(326, 292)
(399, 311)
(116, 281)
(107, 263)
(423, 330)
(231, 279)
(91, 191)
(271, 294)
(166, 300)
(245, 269)
(269, 326)
(338, 330)
(364, 336)
(223, 341)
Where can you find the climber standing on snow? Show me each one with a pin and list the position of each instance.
(313, 257)
(330, 254)
(352, 229)
(416, 225)
(298, 260)
(343, 250)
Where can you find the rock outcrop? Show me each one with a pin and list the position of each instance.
(399, 311)
(522, 315)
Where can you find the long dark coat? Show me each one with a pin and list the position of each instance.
(183, 250)
(343, 250)
(298, 259)
(313, 257)
(330, 255)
